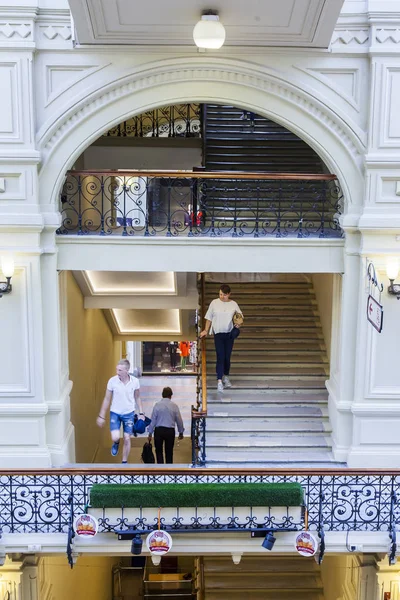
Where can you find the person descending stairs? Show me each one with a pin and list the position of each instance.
(276, 411)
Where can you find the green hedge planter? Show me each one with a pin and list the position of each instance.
(193, 494)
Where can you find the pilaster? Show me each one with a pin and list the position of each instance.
(376, 405)
(35, 430)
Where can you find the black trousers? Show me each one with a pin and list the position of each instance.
(164, 436)
(223, 347)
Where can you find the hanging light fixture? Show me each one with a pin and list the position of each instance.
(209, 32)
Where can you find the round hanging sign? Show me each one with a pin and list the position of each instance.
(306, 544)
(86, 526)
(159, 542)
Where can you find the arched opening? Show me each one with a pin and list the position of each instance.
(200, 151)
(172, 138)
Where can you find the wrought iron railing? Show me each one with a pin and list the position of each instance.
(199, 412)
(179, 120)
(195, 204)
(45, 502)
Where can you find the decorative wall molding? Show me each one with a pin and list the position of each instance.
(385, 36)
(346, 37)
(10, 30)
(345, 82)
(168, 72)
(60, 77)
(51, 32)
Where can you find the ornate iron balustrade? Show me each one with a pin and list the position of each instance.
(198, 437)
(179, 120)
(196, 204)
(45, 502)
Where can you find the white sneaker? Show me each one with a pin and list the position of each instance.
(220, 386)
(226, 382)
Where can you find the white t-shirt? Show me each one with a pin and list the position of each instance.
(220, 314)
(123, 396)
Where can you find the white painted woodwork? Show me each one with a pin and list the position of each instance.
(308, 23)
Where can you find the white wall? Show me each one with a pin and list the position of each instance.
(142, 157)
(323, 287)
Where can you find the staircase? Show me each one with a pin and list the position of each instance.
(277, 410)
(262, 578)
(236, 140)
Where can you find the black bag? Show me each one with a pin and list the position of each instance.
(147, 454)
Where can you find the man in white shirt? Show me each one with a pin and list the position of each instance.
(123, 395)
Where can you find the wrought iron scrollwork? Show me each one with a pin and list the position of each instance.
(144, 204)
(179, 120)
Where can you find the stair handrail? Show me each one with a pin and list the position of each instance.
(199, 412)
(186, 174)
(203, 346)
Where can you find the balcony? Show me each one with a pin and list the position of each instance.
(200, 204)
(330, 503)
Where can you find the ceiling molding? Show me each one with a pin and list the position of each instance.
(289, 23)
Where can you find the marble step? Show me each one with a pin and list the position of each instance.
(231, 426)
(251, 382)
(253, 564)
(267, 410)
(281, 321)
(274, 347)
(272, 333)
(296, 581)
(244, 357)
(279, 369)
(241, 448)
(255, 301)
(290, 395)
(288, 457)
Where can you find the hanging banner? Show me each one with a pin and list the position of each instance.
(159, 542)
(86, 526)
(306, 544)
(375, 313)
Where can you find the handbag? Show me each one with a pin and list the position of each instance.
(139, 425)
(237, 318)
(147, 454)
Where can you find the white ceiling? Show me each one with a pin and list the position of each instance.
(147, 321)
(303, 23)
(132, 283)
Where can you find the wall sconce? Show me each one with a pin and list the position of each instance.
(392, 271)
(7, 266)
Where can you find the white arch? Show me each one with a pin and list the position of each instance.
(198, 80)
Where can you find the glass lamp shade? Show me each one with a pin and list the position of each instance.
(7, 266)
(392, 270)
(209, 32)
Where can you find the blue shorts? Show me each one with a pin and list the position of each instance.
(126, 420)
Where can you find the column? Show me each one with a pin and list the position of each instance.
(344, 348)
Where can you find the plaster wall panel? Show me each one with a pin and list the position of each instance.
(383, 375)
(16, 366)
(10, 125)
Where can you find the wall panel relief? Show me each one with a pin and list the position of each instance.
(9, 97)
(17, 364)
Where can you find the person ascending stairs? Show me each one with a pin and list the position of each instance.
(223, 318)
